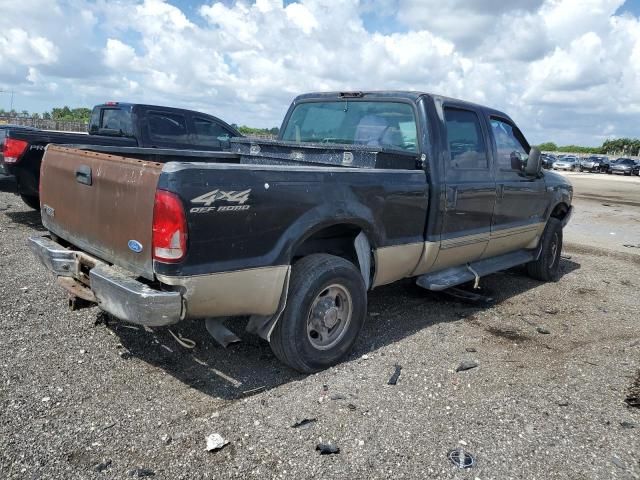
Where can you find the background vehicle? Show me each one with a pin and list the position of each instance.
(548, 160)
(360, 190)
(591, 164)
(636, 169)
(3, 131)
(566, 163)
(117, 124)
(623, 166)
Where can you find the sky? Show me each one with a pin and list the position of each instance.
(567, 71)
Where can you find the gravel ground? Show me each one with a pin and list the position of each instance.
(79, 393)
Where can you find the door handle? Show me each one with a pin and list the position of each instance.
(452, 198)
(83, 175)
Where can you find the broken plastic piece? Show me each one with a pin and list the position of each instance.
(466, 365)
(327, 449)
(304, 423)
(394, 378)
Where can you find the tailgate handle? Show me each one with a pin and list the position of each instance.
(83, 174)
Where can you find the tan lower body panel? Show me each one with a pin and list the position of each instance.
(509, 239)
(254, 291)
(396, 262)
(458, 251)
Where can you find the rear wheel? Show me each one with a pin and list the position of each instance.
(326, 308)
(547, 266)
(32, 201)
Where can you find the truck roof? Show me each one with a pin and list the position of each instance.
(410, 95)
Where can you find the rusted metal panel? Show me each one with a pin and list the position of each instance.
(101, 202)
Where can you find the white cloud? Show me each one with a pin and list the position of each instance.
(564, 69)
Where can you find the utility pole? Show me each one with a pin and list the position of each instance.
(12, 93)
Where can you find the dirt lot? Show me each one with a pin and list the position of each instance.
(76, 392)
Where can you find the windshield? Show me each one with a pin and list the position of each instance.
(378, 124)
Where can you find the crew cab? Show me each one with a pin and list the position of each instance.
(116, 124)
(360, 190)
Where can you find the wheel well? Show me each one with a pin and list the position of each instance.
(560, 211)
(336, 240)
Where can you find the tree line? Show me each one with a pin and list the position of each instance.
(618, 146)
(84, 114)
(58, 113)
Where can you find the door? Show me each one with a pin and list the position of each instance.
(518, 217)
(470, 189)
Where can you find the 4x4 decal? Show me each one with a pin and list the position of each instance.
(233, 196)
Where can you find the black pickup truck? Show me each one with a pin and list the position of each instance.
(360, 190)
(115, 124)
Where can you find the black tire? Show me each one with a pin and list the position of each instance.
(31, 201)
(581, 169)
(291, 340)
(547, 267)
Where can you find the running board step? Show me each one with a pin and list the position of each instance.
(453, 276)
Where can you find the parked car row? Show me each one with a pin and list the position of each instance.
(592, 164)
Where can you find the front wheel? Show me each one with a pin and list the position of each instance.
(32, 201)
(326, 308)
(547, 267)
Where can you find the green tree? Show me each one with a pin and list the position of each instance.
(548, 147)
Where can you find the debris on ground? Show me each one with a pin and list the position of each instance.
(466, 365)
(627, 425)
(216, 442)
(461, 458)
(102, 466)
(466, 296)
(166, 439)
(471, 350)
(543, 330)
(633, 398)
(552, 311)
(617, 462)
(396, 375)
(304, 423)
(631, 246)
(141, 472)
(338, 396)
(327, 448)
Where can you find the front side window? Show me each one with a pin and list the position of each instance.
(208, 132)
(465, 139)
(376, 124)
(512, 154)
(168, 127)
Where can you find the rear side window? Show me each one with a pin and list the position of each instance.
(168, 127)
(209, 133)
(512, 153)
(465, 139)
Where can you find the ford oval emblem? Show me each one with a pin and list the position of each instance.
(135, 246)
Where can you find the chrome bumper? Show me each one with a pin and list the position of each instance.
(115, 292)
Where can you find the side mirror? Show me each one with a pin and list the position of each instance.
(532, 169)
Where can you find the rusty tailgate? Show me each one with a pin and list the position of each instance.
(100, 203)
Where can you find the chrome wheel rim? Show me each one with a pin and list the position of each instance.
(329, 317)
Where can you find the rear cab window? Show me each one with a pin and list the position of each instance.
(385, 124)
(114, 121)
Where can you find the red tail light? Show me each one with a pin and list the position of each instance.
(13, 150)
(169, 228)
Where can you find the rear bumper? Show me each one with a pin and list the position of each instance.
(112, 289)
